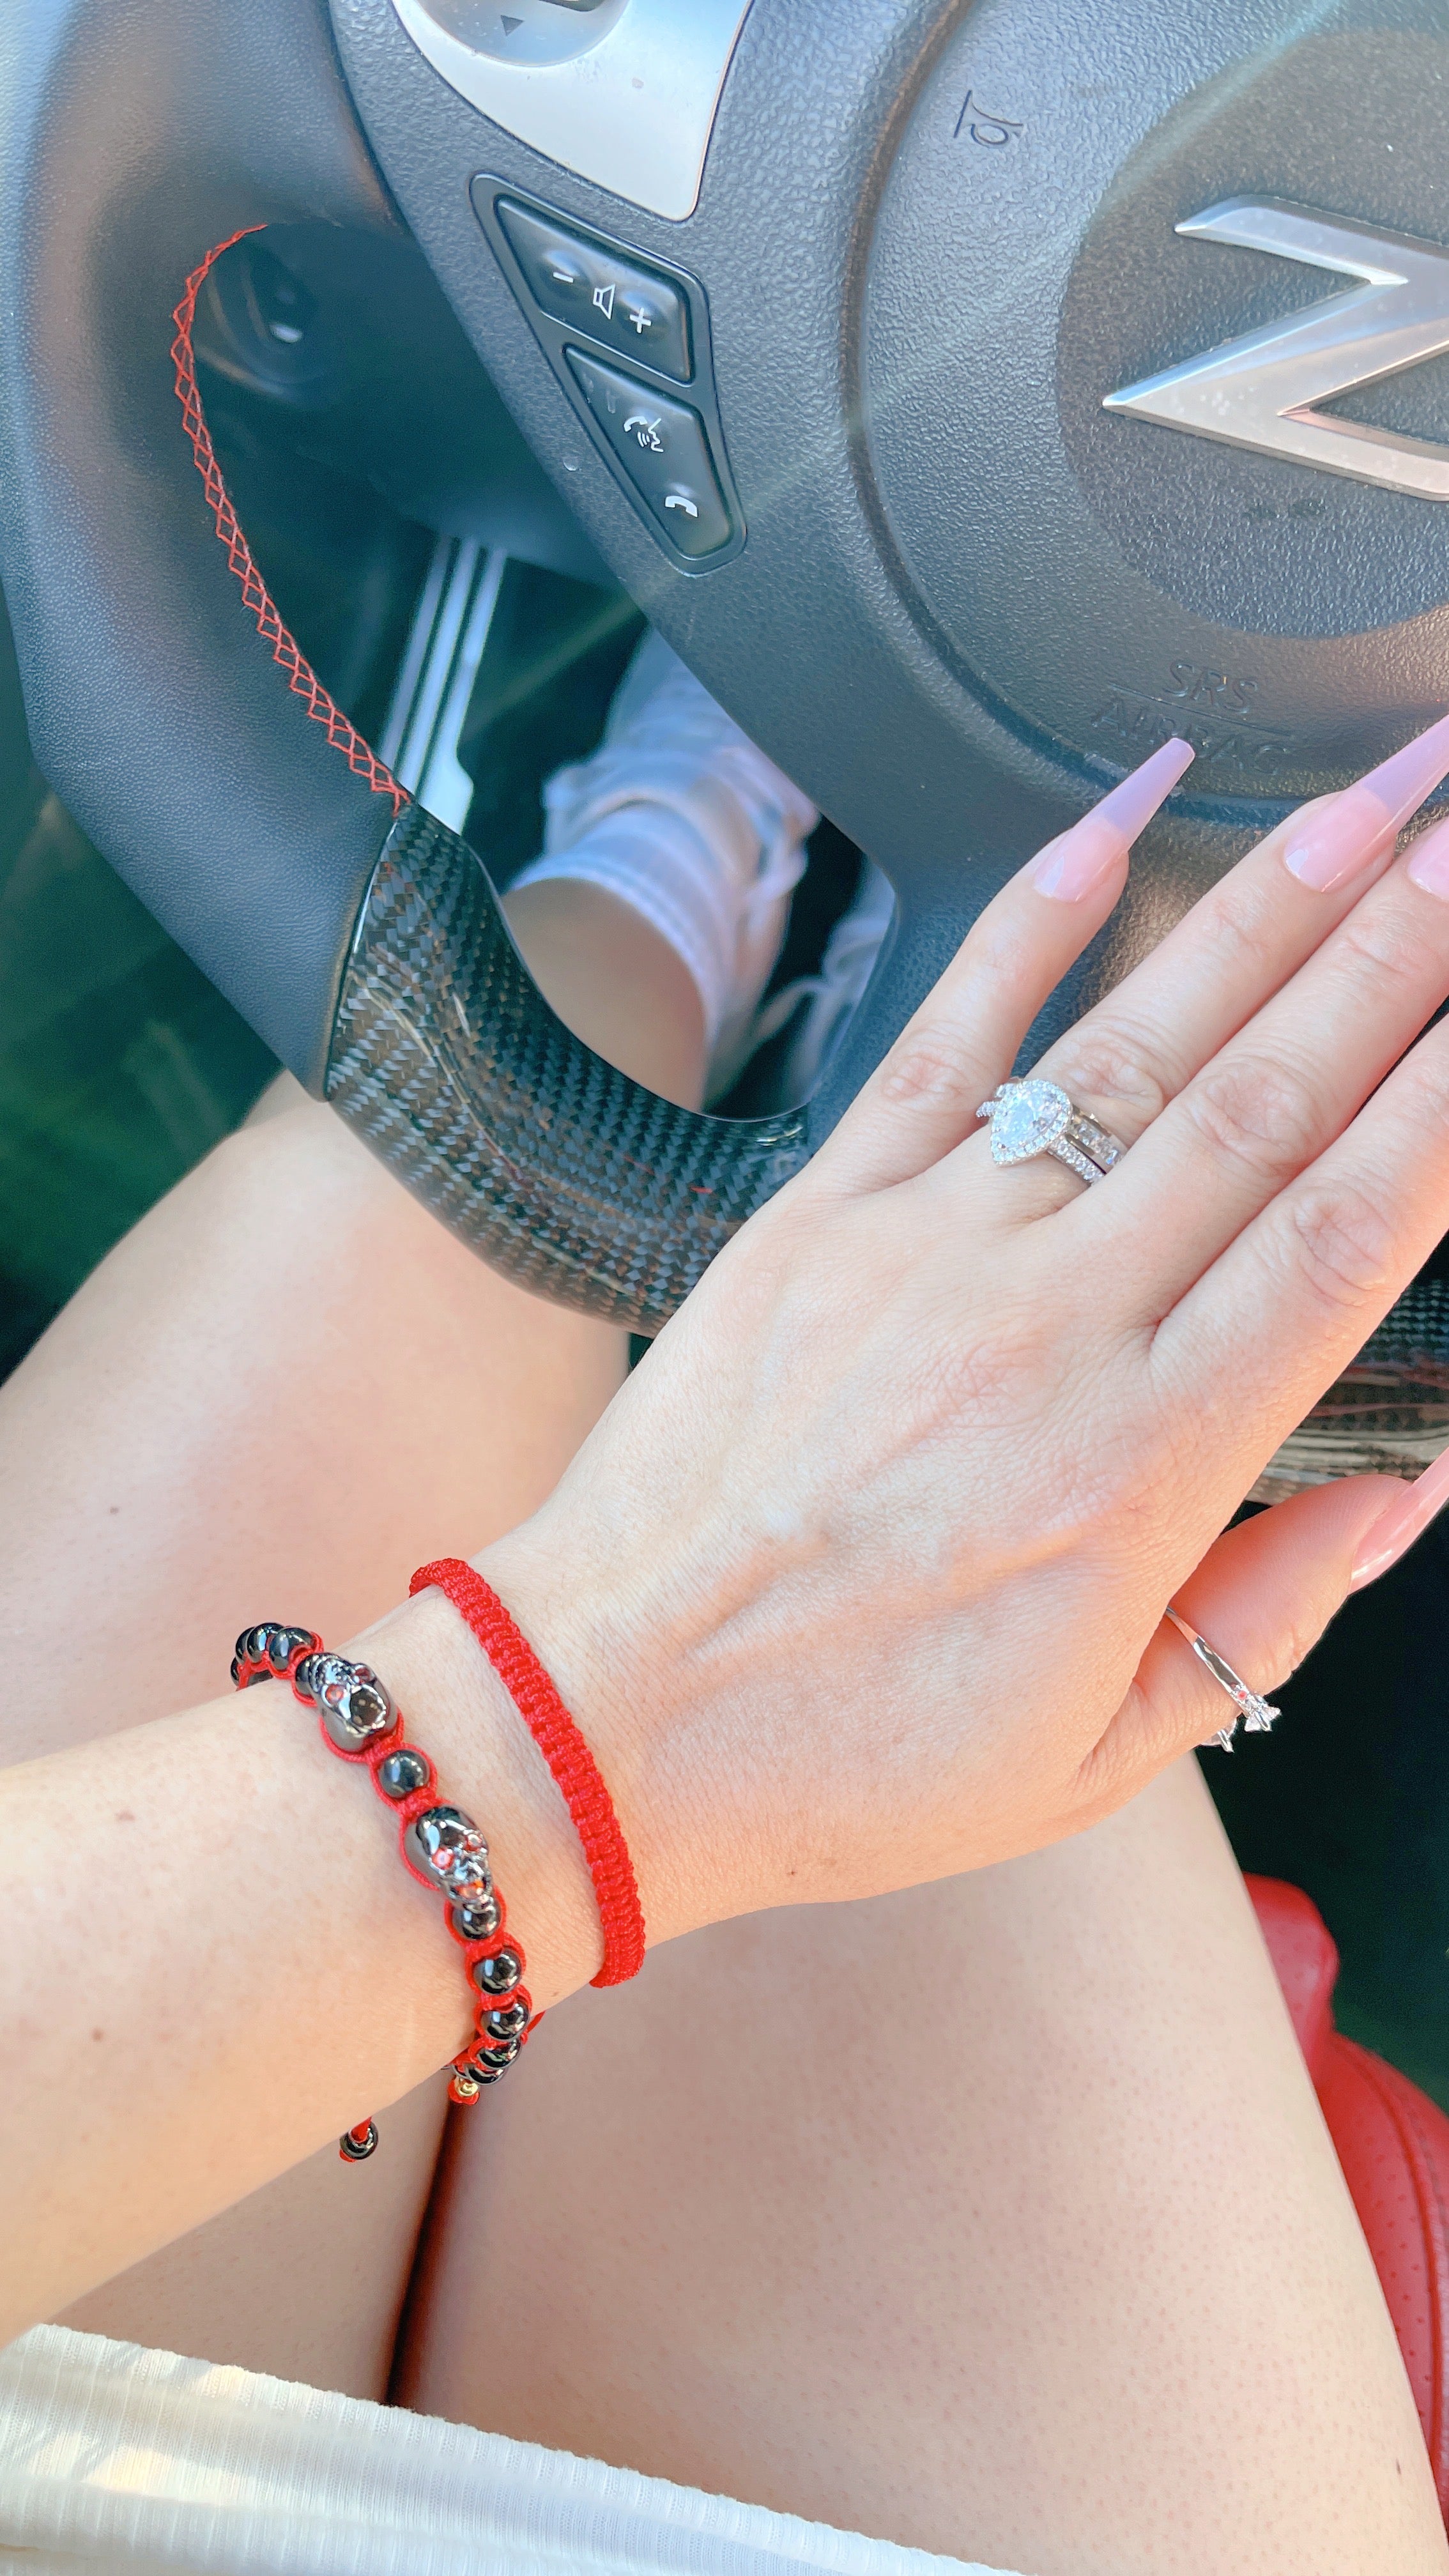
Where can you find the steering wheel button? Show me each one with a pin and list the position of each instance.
(662, 447)
(597, 291)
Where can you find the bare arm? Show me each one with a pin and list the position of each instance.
(214, 1961)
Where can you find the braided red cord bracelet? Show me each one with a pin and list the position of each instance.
(564, 1750)
(440, 1846)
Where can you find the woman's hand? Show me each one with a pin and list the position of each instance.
(861, 1580)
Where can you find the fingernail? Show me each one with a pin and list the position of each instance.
(1076, 862)
(1406, 1519)
(1339, 839)
(1429, 861)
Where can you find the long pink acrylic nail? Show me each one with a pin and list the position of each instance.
(1076, 862)
(1340, 838)
(1407, 1517)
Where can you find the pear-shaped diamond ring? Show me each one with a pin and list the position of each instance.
(1036, 1117)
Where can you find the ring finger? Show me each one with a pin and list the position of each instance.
(1146, 1040)
(922, 1099)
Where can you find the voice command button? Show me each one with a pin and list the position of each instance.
(662, 448)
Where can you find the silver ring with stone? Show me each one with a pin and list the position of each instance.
(1256, 1713)
(1036, 1117)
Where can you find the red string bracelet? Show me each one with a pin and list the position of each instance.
(441, 1847)
(567, 1755)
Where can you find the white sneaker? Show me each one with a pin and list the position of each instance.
(681, 816)
(820, 1005)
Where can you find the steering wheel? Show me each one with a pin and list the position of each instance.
(973, 395)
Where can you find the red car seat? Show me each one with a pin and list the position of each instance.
(1393, 2145)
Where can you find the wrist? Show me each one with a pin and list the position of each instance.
(609, 1651)
(455, 1705)
(602, 1629)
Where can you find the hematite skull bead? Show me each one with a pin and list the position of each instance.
(498, 1974)
(446, 1848)
(399, 1774)
(354, 1706)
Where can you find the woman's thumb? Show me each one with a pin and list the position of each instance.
(1262, 1596)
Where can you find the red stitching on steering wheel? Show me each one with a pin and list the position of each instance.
(362, 760)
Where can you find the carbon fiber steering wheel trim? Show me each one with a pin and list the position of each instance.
(562, 1172)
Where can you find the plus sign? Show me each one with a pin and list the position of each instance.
(642, 320)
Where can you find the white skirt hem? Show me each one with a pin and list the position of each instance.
(144, 2462)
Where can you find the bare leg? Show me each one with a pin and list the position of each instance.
(997, 2218)
(194, 1445)
(186, 1445)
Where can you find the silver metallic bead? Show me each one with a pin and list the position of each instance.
(271, 1643)
(499, 1973)
(489, 2063)
(284, 1643)
(477, 1921)
(354, 1706)
(446, 1847)
(507, 2021)
(400, 1773)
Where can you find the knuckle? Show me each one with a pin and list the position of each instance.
(933, 1067)
(1111, 1065)
(1342, 1245)
(1427, 1085)
(1384, 947)
(1257, 1114)
(1242, 920)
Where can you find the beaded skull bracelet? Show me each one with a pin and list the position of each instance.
(441, 1846)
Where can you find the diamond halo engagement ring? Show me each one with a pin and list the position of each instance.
(1257, 1714)
(1036, 1117)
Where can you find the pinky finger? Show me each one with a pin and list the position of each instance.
(923, 1097)
(1263, 1595)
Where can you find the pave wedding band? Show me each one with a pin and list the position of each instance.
(1036, 1117)
(1257, 1714)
